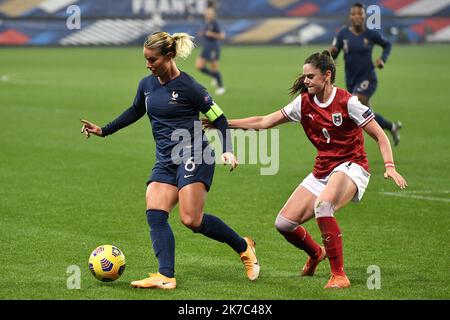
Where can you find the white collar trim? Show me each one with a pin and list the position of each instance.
(328, 102)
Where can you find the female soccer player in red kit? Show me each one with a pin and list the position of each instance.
(333, 121)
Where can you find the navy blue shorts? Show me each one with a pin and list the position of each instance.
(211, 53)
(365, 86)
(183, 174)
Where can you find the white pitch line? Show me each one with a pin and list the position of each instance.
(426, 191)
(395, 194)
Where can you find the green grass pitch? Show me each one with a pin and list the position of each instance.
(62, 195)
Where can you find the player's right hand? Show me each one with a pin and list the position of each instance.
(89, 128)
(379, 64)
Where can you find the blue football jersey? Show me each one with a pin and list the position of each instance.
(358, 52)
(214, 27)
(172, 106)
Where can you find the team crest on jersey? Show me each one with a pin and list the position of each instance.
(337, 119)
(174, 98)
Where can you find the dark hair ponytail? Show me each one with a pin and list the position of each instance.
(322, 61)
(298, 86)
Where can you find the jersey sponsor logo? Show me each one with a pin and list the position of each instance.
(311, 116)
(337, 119)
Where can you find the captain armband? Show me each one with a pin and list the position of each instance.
(213, 113)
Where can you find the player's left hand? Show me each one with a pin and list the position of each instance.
(394, 175)
(229, 158)
(207, 124)
(379, 64)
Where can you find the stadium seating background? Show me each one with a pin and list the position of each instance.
(127, 22)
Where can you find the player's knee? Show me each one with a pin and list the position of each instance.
(190, 220)
(283, 224)
(324, 209)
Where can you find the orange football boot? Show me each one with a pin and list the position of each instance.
(337, 282)
(311, 264)
(248, 258)
(155, 281)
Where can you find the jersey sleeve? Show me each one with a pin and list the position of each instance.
(200, 98)
(292, 111)
(379, 39)
(338, 43)
(216, 27)
(204, 103)
(358, 112)
(139, 99)
(130, 115)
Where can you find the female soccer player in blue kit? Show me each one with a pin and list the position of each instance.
(212, 35)
(361, 79)
(172, 100)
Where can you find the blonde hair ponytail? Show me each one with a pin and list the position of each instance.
(181, 44)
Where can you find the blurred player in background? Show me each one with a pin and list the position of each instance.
(333, 121)
(357, 42)
(172, 100)
(211, 35)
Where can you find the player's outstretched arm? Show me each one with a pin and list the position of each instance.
(259, 122)
(375, 131)
(88, 128)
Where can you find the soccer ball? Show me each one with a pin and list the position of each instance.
(107, 263)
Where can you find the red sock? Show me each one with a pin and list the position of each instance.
(303, 240)
(332, 240)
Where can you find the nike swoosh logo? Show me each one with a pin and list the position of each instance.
(188, 176)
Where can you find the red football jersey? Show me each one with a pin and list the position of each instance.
(334, 128)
